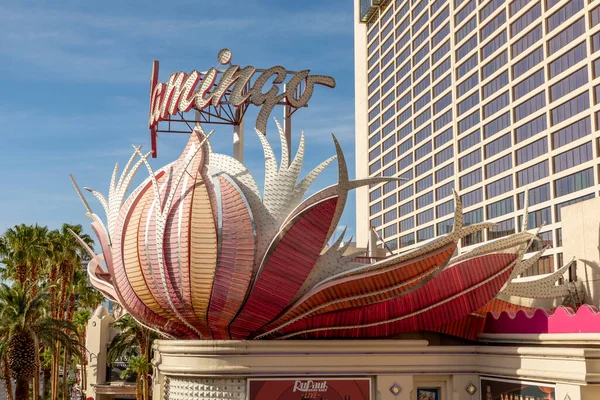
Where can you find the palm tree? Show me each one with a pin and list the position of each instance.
(138, 366)
(23, 247)
(133, 337)
(80, 320)
(66, 258)
(27, 324)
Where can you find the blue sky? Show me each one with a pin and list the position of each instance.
(75, 81)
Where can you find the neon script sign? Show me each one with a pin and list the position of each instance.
(197, 90)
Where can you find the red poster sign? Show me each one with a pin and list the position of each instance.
(309, 388)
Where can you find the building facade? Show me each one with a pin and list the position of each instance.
(490, 98)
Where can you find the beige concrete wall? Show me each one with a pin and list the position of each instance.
(181, 365)
(581, 239)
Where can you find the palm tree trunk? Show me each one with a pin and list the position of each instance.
(55, 369)
(64, 377)
(46, 382)
(146, 386)
(138, 388)
(83, 360)
(21, 273)
(22, 389)
(36, 377)
(7, 380)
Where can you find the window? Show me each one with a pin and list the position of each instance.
(407, 224)
(422, 69)
(424, 183)
(499, 166)
(389, 187)
(422, 102)
(567, 60)
(444, 191)
(445, 227)
(424, 200)
(572, 82)
(496, 105)
(530, 106)
(375, 208)
(532, 174)
(497, 146)
(468, 103)
(573, 157)
(389, 157)
(570, 133)
(468, 122)
(403, 101)
(490, 8)
(403, 57)
(531, 128)
(499, 187)
(537, 218)
(467, 66)
(406, 208)
(374, 113)
(444, 155)
(527, 63)
(390, 215)
(469, 160)
(405, 161)
(444, 208)
(405, 194)
(443, 138)
(441, 69)
(437, 5)
(444, 173)
(404, 116)
(532, 151)
(527, 41)
(424, 167)
(494, 65)
(390, 171)
(529, 85)
(469, 141)
(565, 37)
(404, 147)
(390, 230)
(517, 6)
(495, 84)
(470, 218)
(496, 125)
(407, 240)
(466, 48)
(423, 150)
(470, 179)
(525, 20)
(374, 153)
(466, 29)
(570, 202)
(564, 13)
(493, 25)
(472, 198)
(374, 139)
(545, 265)
(373, 86)
(425, 234)
(441, 35)
(374, 99)
(389, 201)
(493, 45)
(570, 108)
(504, 228)
(536, 196)
(421, 53)
(419, 87)
(425, 217)
(441, 52)
(443, 103)
(465, 11)
(442, 120)
(374, 167)
(500, 208)
(404, 131)
(442, 86)
(376, 222)
(468, 84)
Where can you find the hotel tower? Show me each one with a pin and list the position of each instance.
(491, 98)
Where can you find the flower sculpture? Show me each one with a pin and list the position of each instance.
(196, 251)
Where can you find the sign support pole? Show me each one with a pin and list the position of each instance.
(238, 141)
